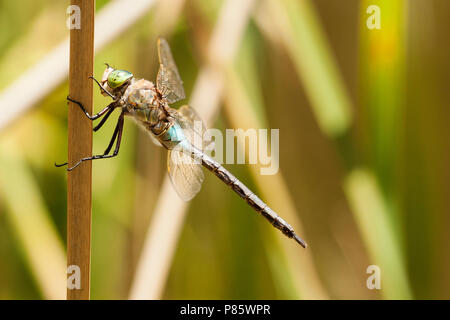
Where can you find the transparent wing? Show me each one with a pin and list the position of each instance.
(193, 127)
(154, 140)
(168, 81)
(185, 173)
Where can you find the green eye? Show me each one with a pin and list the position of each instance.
(118, 77)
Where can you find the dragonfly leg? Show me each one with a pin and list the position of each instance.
(117, 134)
(95, 116)
(102, 122)
(103, 89)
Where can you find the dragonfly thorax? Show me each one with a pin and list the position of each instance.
(144, 103)
(142, 94)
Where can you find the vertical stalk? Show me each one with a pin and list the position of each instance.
(80, 145)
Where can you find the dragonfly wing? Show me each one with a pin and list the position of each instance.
(154, 140)
(168, 81)
(185, 174)
(193, 127)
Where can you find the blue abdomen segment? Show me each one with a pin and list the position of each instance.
(173, 137)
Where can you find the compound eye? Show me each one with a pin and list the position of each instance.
(118, 77)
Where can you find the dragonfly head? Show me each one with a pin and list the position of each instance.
(114, 78)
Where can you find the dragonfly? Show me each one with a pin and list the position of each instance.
(173, 129)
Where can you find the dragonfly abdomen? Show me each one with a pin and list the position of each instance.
(252, 199)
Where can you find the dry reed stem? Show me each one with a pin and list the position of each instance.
(79, 182)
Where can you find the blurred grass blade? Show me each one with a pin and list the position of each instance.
(159, 246)
(26, 212)
(224, 42)
(382, 64)
(299, 28)
(167, 15)
(374, 223)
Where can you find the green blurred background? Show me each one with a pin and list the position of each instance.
(364, 153)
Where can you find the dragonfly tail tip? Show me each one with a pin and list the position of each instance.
(300, 241)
